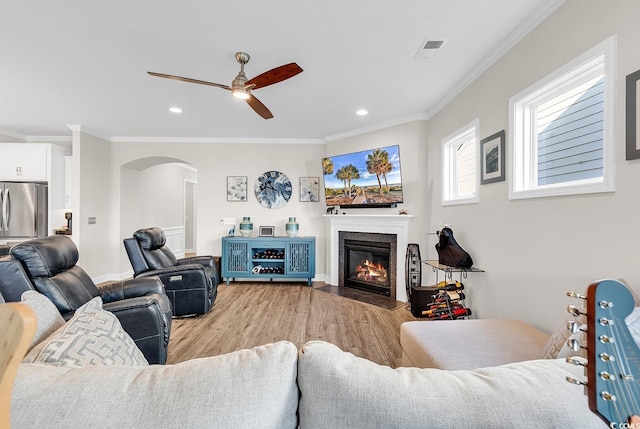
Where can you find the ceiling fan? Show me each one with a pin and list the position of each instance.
(241, 87)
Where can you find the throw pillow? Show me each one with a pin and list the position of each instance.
(633, 323)
(340, 390)
(92, 336)
(47, 315)
(636, 297)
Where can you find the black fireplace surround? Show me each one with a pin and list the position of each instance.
(367, 261)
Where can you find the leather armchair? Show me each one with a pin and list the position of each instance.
(190, 283)
(48, 265)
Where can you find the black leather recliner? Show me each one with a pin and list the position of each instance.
(48, 265)
(190, 283)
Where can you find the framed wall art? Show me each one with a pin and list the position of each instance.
(633, 116)
(236, 188)
(310, 189)
(492, 162)
(266, 231)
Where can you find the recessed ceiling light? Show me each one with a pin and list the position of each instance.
(175, 110)
(362, 112)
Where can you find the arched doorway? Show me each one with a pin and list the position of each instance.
(160, 191)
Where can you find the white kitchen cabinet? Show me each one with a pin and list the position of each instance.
(24, 162)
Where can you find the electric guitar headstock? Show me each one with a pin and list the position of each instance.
(613, 358)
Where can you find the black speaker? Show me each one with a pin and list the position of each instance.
(412, 268)
(421, 298)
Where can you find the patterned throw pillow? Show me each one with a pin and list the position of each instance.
(47, 315)
(92, 336)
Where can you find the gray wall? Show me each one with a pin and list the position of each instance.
(535, 250)
(214, 162)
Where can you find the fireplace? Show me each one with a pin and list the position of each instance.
(396, 225)
(368, 262)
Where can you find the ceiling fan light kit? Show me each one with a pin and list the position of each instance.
(241, 86)
(240, 93)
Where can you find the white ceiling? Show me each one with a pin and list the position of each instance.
(79, 62)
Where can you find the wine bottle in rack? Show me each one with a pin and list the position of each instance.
(455, 314)
(448, 296)
(444, 310)
(456, 295)
(454, 286)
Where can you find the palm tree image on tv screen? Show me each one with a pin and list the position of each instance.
(370, 177)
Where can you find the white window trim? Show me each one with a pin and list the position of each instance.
(447, 167)
(520, 185)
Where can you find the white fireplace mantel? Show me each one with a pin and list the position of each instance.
(376, 223)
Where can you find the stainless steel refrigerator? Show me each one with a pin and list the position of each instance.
(23, 210)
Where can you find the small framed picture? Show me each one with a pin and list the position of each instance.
(236, 188)
(633, 116)
(492, 164)
(310, 189)
(266, 231)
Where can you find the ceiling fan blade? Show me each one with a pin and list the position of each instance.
(188, 79)
(259, 108)
(275, 75)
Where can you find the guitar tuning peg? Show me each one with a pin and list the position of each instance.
(605, 339)
(574, 327)
(574, 381)
(575, 295)
(575, 311)
(576, 361)
(574, 344)
(605, 357)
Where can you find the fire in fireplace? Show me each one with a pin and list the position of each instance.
(367, 262)
(372, 272)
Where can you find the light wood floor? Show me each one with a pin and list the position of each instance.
(246, 315)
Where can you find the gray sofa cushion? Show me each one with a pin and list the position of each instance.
(246, 389)
(339, 390)
(47, 315)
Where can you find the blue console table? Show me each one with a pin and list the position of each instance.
(269, 258)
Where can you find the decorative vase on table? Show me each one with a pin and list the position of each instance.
(246, 227)
(292, 227)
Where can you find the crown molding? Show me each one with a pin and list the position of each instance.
(215, 140)
(12, 134)
(378, 126)
(49, 139)
(507, 44)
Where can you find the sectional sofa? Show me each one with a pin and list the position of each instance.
(67, 381)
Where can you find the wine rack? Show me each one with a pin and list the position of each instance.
(448, 298)
(268, 258)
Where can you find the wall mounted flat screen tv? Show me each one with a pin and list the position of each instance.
(369, 178)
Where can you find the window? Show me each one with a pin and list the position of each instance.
(459, 166)
(562, 130)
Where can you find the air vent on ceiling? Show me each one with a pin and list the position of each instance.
(428, 48)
